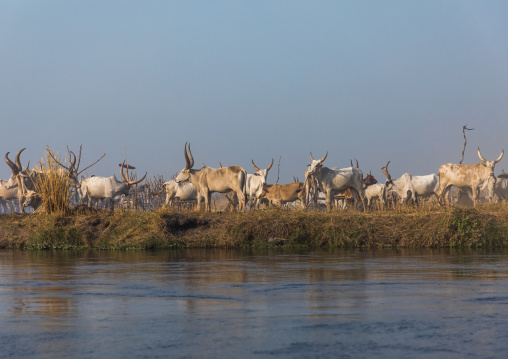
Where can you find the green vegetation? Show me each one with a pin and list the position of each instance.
(82, 227)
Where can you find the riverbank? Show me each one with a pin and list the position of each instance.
(83, 227)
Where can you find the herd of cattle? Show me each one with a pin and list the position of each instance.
(336, 186)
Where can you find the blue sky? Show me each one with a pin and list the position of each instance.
(243, 80)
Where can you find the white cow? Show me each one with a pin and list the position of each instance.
(256, 183)
(409, 187)
(181, 191)
(12, 188)
(334, 181)
(501, 188)
(108, 189)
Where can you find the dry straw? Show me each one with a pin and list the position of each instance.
(51, 183)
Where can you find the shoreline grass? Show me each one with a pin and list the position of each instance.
(84, 228)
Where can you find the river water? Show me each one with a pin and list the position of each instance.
(256, 304)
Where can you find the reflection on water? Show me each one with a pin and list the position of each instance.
(262, 304)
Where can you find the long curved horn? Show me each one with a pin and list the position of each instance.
(187, 161)
(324, 158)
(268, 168)
(11, 164)
(385, 171)
(480, 155)
(126, 180)
(18, 162)
(121, 172)
(500, 156)
(312, 158)
(190, 157)
(137, 181)
(255, 167)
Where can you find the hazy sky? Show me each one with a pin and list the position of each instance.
(243, 80)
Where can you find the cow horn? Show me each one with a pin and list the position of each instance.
(121, 172)
(500, 156)
(268, 168)
(350, 160)
(312, 158)
(385, 171)
(220, 164)
(18, 162)
(480, 155)
(255, 167)
(190, 157)
(357, 163)
(137, 181)
(187, 161)
(11, 164)
(126, 180)
(324, 158)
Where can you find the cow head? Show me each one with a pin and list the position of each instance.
(20, 177)
(126, 179)
(315, 166)
(369, 180)
(490, 164)
(32, 199)
(184, 175)
(262, 173)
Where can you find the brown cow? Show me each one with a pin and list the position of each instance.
(279, 195)
(208, 180)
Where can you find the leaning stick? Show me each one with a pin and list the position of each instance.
(278, 170)
(464, 128)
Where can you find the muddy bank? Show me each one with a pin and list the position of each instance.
(98, 229)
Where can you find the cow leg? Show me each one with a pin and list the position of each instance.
(208, 199)
(476, 195)
(243, 201)
(256, 203)
(446, 196)
(200, 196)
(329, 201)
(250, 200)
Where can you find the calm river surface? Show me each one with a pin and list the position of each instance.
(256, 304)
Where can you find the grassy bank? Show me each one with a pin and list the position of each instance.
(486, 226)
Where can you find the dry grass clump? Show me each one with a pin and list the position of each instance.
(51, 183)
